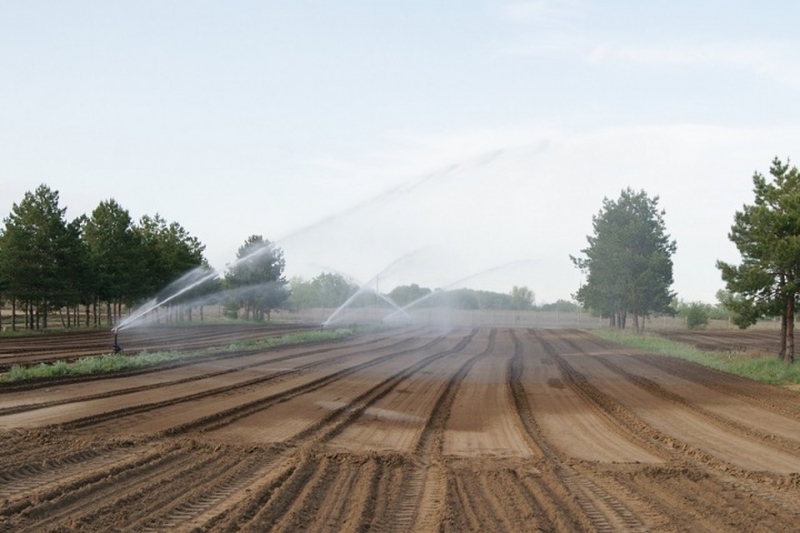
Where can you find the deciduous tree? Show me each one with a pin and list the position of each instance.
(521, 298)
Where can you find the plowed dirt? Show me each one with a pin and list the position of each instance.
(406, 430)
(760, 342)
(48, 347)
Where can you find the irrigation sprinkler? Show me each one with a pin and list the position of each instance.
(117, 347)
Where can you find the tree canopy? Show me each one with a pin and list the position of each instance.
(767, 235)
(327, 290)
(49, 264)
(256, 278)
(628, 263)
(522, 298)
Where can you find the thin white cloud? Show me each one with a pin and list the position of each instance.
(778, 61)
(561, 13)
(553, 28)
(565, 28)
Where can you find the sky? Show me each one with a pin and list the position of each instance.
(449, 144)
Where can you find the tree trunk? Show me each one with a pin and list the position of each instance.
(789, 317)
(13, 314)
(784, 331)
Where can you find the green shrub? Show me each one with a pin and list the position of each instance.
(696, 315)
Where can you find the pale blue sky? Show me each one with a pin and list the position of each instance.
(239, 118)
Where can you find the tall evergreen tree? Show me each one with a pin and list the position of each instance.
(114, 249)
(167, 252)
(78, 277)
(33, 258)
(628, 263)
(257, 278)
(767, 234)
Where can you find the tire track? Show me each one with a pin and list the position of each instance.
(228, 489)
(604, 512)
(218, 420)
(692, 460)
(86, 493)
(768, 397)
(281, 499)
(761, 437)
(115, 415)
(188, 472)
(187, 512)
(206, 375)
(31, 476)
(428, 450)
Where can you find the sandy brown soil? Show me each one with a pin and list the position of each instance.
(762, 341)
(407, 430)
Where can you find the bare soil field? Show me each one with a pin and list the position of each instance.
(48, 347)
(756, 341)
(413, 429)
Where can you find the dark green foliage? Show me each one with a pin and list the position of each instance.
(114, 250)
(696, 315)
(332, 290)
(562, 306)
(166, 252)
(50, 265)
(493, 300)
(767, 234)
(37, 247)
(256, 279)
(405, 294)
(628, 263)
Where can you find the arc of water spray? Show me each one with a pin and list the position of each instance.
(213, 275)
(367, 286)
(453, 284)
(406, 187)
(361, 288)
(156, 304)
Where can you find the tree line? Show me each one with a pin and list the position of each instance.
(89, 270)
(628, 262)
(331, 290)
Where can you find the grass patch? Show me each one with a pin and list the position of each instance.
(110, 363)
(760, 367)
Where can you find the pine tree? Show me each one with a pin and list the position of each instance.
(628, 263)
(767, 234)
